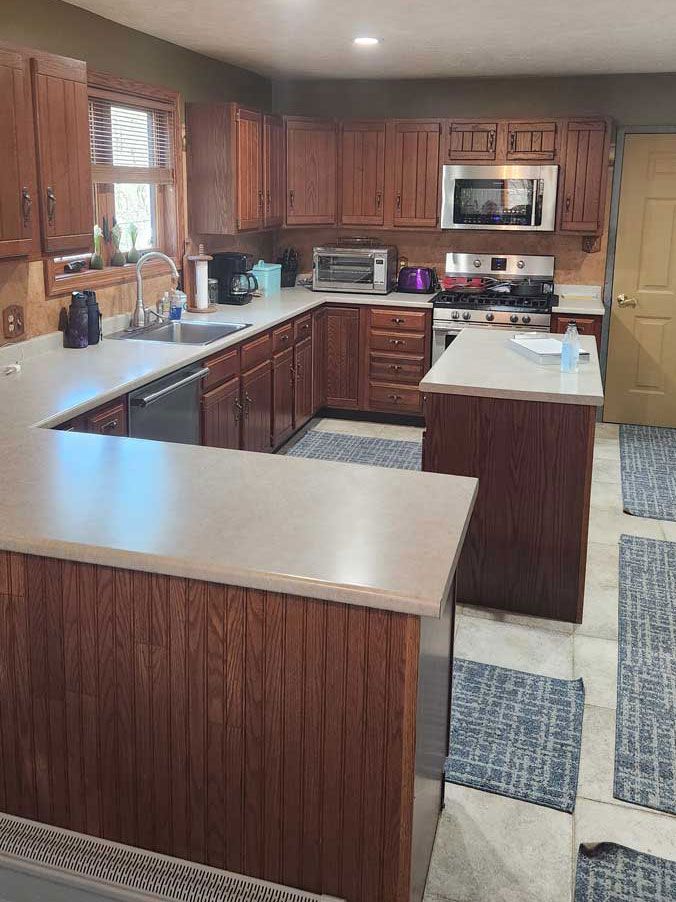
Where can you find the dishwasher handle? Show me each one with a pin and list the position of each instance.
(145, 400)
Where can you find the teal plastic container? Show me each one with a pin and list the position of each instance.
(269, 277)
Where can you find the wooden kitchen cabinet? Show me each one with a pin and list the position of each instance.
(283, 378)
(415, 185)
(342, 357)
(303, 376)
(319, 357)
(586, 325)
(362, 172)
(311, 171)
(531, 141)
(249, 133)
(273, 171)
(584, 176)
(111, 419)
(64, 170)
(470, 140)
(221, 413)
(18, 204)
(256, 398)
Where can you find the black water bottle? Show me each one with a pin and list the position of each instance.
(76, 333)
(93, 317)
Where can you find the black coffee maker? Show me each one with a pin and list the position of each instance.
(235, 284)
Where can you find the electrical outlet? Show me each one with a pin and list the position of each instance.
(12, 322)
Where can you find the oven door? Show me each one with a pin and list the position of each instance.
(508, 198)
(445, 332)
(344, 270)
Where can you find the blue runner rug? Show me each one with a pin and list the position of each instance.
(358, 449)
(515, 734)
(648, 460)
(611, 873)
(645, 737)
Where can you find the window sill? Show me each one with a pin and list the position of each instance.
(59, 283)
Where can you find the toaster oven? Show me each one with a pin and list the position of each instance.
(367, 270)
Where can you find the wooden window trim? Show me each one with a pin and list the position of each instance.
(63, 283)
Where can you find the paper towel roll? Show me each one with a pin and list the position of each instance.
(201, 284)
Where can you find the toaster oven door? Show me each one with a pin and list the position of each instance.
(344, 271)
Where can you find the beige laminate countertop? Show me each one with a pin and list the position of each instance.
(481, 363)
(353, 534)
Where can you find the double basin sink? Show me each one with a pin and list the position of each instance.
(180, 333)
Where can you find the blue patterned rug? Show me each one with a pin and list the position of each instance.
(357, 449)
(515, 734)
(648, 458)
(611, 873)
(645, 737)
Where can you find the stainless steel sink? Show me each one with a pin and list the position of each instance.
(180, 333)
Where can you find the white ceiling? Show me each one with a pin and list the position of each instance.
(421, 38)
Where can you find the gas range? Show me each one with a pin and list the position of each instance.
(499, 291)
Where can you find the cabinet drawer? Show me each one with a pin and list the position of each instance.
(394, 397)
(388, 368)
(221, 367)
(282, 338)
(401, 320)
(256, 351)
(109, 420)
(398, 342)
(303, 327)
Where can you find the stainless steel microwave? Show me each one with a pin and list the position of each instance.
(508, 198)
(366, 269)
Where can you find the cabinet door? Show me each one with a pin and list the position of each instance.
(249, 170)
(64, 167)
(273, 170)
(17, 172)
(531, 141)
(584, 176)
(342, 357)
(416, 173)
(471, 140)
(282, 396)
(303, 378)
(310, 172)
(108, 420)
(319, 358)
(221, 416)
(257, 404)
(362, 160)
(586, 325)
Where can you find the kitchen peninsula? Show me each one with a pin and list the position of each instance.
(231, 657)
(527, 432)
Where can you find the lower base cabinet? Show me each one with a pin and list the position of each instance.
(303, 378)
(343, 372)
(586, 325)
(282, 396)
(222, 415)
(256, 399)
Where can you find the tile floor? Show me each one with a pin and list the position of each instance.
(491, 848)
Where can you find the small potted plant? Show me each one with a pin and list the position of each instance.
(133, 256)
(96, 260)
(117, 258)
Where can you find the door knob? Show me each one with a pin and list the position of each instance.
(624, 301)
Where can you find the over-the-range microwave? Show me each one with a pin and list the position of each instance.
(363, 269)
(508, 198)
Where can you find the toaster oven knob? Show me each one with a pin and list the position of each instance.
(455, 314)
(520, 264)
(490, 317)
(477, 263)
(514, 318)
(525, 319)
(467, 315)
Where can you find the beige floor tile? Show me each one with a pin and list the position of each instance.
(606, 496)
(595, 660)
(350, 427)
(603, 564)
(402, 433)
(601, 594)
(607, 432)
(516, 647)
(640, 829)
(540, 623)
(493, 849)
(606, 470)
(607, 450)
(606, 526)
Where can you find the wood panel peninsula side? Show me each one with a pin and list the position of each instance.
(527, 432)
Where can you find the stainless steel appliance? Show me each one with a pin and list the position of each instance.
(492, 291)
(509, 198)
(168, 409)
(363, 269)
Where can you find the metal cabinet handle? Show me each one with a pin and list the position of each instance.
(491, 139)
(398, 320)
(268, 201)
(397, 341)
(379, 199)
(394, 398)
(512, 142)
(51, 205)
(111, 424)
(293, 374)
(26, 206)
(248, 404)
(292, 195)
(398, 201)
(260, 200)
(568, 201)
(395, 367)
(624, 301)
(237, 407)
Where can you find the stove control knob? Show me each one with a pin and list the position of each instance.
(490, 317)
(520, 264)
(514, 318)
(455, 314)
(467, 315)
(525, 319)
(477, 263)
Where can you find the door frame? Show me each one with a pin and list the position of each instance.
(608, 293)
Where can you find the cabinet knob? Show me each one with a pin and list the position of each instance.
(396, 341)
(26, 206)
(51, 205)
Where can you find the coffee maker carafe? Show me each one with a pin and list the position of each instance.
(235, 284)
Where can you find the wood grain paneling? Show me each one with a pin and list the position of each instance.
(362, 172)
(249, 169)
(266, 733)
(342, 356)
(583, 184)
(311, 170)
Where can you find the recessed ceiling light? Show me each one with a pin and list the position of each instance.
(366, 42)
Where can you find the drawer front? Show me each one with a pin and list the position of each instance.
(388, 368)
(303, 327)
(111, 420)
(395, 397)
(282, 338)
(222, 366)
(256, 351)
(399, 320)
(397, 342)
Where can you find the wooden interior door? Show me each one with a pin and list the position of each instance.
(342, 357)
(257, 403)
(221, 416)
(273, 170)
(64, 166)
(17, 173)
(249, 170)
(585, 158)
(641, 373)
(362, 160)
(310, 171)
(416, 173)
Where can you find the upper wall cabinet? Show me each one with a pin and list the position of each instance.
(362, 168)
(17, 173)
(249, 169)
(64, 168)
(273, 170)
(584, 176)
(471, 140)
(311, 171)
(415, 186)
(531, 141)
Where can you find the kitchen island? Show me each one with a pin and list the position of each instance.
(527, 432)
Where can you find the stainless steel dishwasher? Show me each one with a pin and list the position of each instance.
(168, 409)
